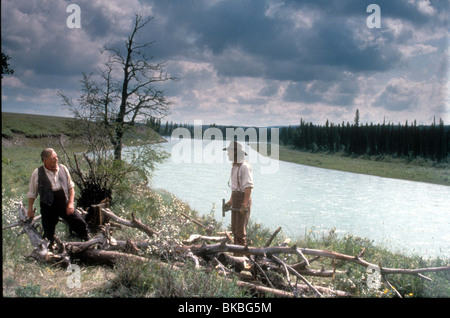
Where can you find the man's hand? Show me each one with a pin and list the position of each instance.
(70, 208)
(31, 212)
(243, 208)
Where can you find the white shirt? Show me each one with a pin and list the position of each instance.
(245, 177)
(54, 180)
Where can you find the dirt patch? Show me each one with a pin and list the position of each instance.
(22, 140)
(17, 140)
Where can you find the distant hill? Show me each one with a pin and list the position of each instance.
(32, 126)
(39, 126)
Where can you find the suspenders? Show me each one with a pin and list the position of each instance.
(237, 177)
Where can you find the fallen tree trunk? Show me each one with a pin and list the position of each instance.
(133, 223)
(273, 250)
(110, 258)
(40, 251)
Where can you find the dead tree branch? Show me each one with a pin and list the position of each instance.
(266, 265)
(293, 271)
(133, 223)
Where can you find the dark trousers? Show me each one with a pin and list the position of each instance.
(239, 220)
(51, 215)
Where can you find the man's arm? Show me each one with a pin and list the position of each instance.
(230, 202)
(247, 183)
(247, 196)
(70, 207)
(30, 207)
(32, 193)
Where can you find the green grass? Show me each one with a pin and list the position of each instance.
(154, 279)
(32, 126)
(17, 126)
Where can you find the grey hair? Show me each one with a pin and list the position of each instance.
(46, 153)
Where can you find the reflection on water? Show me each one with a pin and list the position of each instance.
(406, 216)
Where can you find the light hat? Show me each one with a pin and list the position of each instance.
(236, 147)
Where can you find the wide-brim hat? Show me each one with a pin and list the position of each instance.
(236, 147)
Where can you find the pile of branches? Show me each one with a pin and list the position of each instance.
(259, 270)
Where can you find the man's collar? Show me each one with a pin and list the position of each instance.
(52, 170)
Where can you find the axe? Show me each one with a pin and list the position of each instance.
(226, 208)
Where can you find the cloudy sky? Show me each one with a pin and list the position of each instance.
(244, 62)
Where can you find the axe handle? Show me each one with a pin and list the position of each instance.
(223, 208)
(237, 210)
(229, 209)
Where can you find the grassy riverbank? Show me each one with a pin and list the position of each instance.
(24, 277)
(419, 170)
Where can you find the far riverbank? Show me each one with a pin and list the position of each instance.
(418, 170)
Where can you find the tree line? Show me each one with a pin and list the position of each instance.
(408, 140)
(168, 129)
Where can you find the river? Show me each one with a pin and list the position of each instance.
(405, 216)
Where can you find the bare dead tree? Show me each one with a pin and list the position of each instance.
(125, 90)
(136, 92)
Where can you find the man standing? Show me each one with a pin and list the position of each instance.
(241, 190)
(53, 183)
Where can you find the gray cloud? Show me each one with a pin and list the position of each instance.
(336, 93)
(284, 58)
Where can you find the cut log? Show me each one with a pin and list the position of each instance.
(107, 257)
